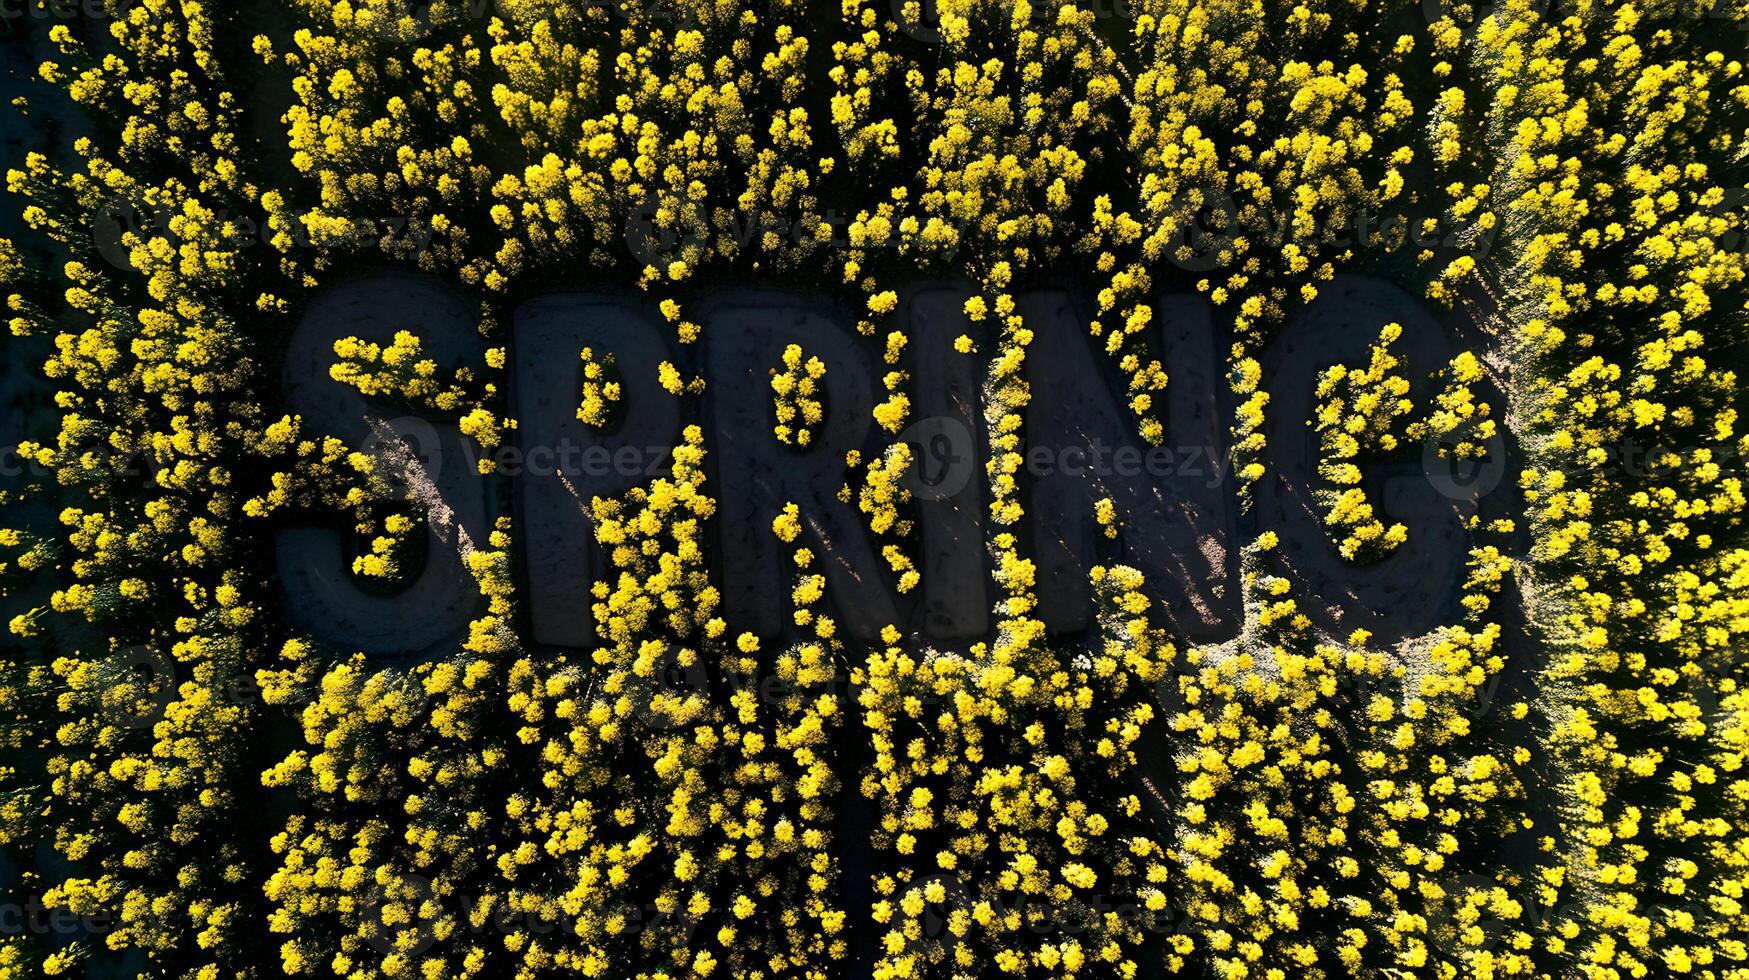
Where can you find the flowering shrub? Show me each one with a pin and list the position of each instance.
(795, 397)
(1458, 416)
(1358, 416)
(601, 389)
(232, 798)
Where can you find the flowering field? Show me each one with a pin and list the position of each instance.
(766, 489)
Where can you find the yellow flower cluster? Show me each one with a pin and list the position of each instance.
(1357, 416)
(795, 397)
(388, 551)
(1004, 803)
(1609, 184)
(398, 371)
(601, 389)
(1458, 415)
(1551, 788)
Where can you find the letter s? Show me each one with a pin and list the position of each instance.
(433, 609)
